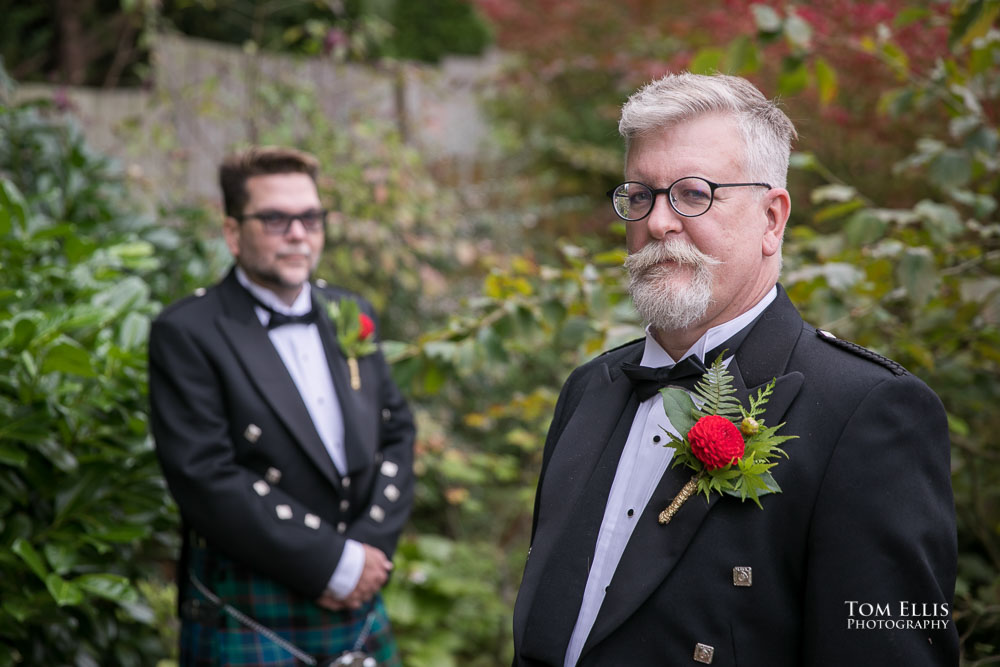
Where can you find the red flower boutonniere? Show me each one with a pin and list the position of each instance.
(726, 458)
(355, 333)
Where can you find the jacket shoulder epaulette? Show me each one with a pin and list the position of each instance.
(892, 366)
(183, 302)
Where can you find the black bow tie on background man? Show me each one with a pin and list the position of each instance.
(281, 319)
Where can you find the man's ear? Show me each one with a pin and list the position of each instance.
(778, 207)
(231, 233)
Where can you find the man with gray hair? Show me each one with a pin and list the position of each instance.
(854, 561)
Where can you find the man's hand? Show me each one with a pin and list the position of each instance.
(373, 576)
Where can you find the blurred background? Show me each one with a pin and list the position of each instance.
(466, 147)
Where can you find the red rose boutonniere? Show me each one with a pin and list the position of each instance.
(725, 458)
(355, 333)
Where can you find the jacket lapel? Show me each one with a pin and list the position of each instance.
(353, 405)
(262, 364)
(561, 554)
(654, 550)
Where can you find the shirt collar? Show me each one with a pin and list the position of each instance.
(655, 356)
(301, 305)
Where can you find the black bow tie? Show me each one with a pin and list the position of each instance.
(647, 381)
(281, 319)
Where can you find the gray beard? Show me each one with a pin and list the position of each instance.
(659, 300)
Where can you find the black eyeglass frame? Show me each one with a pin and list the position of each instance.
(655, 192)
(288, 218)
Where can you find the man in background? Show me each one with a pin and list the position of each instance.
(282, 437)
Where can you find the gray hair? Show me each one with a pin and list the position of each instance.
(766, 130)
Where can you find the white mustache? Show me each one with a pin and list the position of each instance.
(680, 252)
(299, 250)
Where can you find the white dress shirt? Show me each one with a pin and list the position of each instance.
(301, 350)
(642, 464)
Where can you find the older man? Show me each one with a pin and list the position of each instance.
(854, 562)
(282, 437)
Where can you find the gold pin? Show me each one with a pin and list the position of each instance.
(352, 364)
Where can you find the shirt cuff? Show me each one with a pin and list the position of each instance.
(345, 578)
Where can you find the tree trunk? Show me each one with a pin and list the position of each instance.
(73, 56)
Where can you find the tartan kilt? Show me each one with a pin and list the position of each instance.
(210, 637)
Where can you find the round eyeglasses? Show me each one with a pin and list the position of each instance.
(279, 222)
(690, 196)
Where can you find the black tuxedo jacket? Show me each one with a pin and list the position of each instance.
(863, 531)
(241, 455)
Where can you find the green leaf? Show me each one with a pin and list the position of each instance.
(715, 389)
(897, 59)
(23, 548)
(803, 160)
(124, 533)
(678, 406)
(951, 168)
(910, 15)
(743, 58)
(133, 250)
(942, 220)
(13, 210)
(134, 331)
(109, 586)
(798, 31)
(62, 557)
(974, 21)
(13, 455)
(58, 455)
(62, 591)
(23, 333)
(21, 609)
(766, 18)
(124, 294)
(916, 273)
(707, 61)
(833, 192)
(794, 77)
(826, 81)
(68, 357)
(864, 228)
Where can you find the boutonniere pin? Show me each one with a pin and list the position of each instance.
(355, 332)
(726, 458)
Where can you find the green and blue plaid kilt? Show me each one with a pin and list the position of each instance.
(217, 639)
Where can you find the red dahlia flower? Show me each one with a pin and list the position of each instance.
(716, 441)
(367, 326)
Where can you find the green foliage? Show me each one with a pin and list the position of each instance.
(919, 281)
(395, 232)
(431, 29)
(487, 310)
(346, 315)
(486, 383)
(84, 514)
(715, 394)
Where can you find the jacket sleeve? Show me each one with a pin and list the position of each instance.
(260, 525)
(881, 559)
